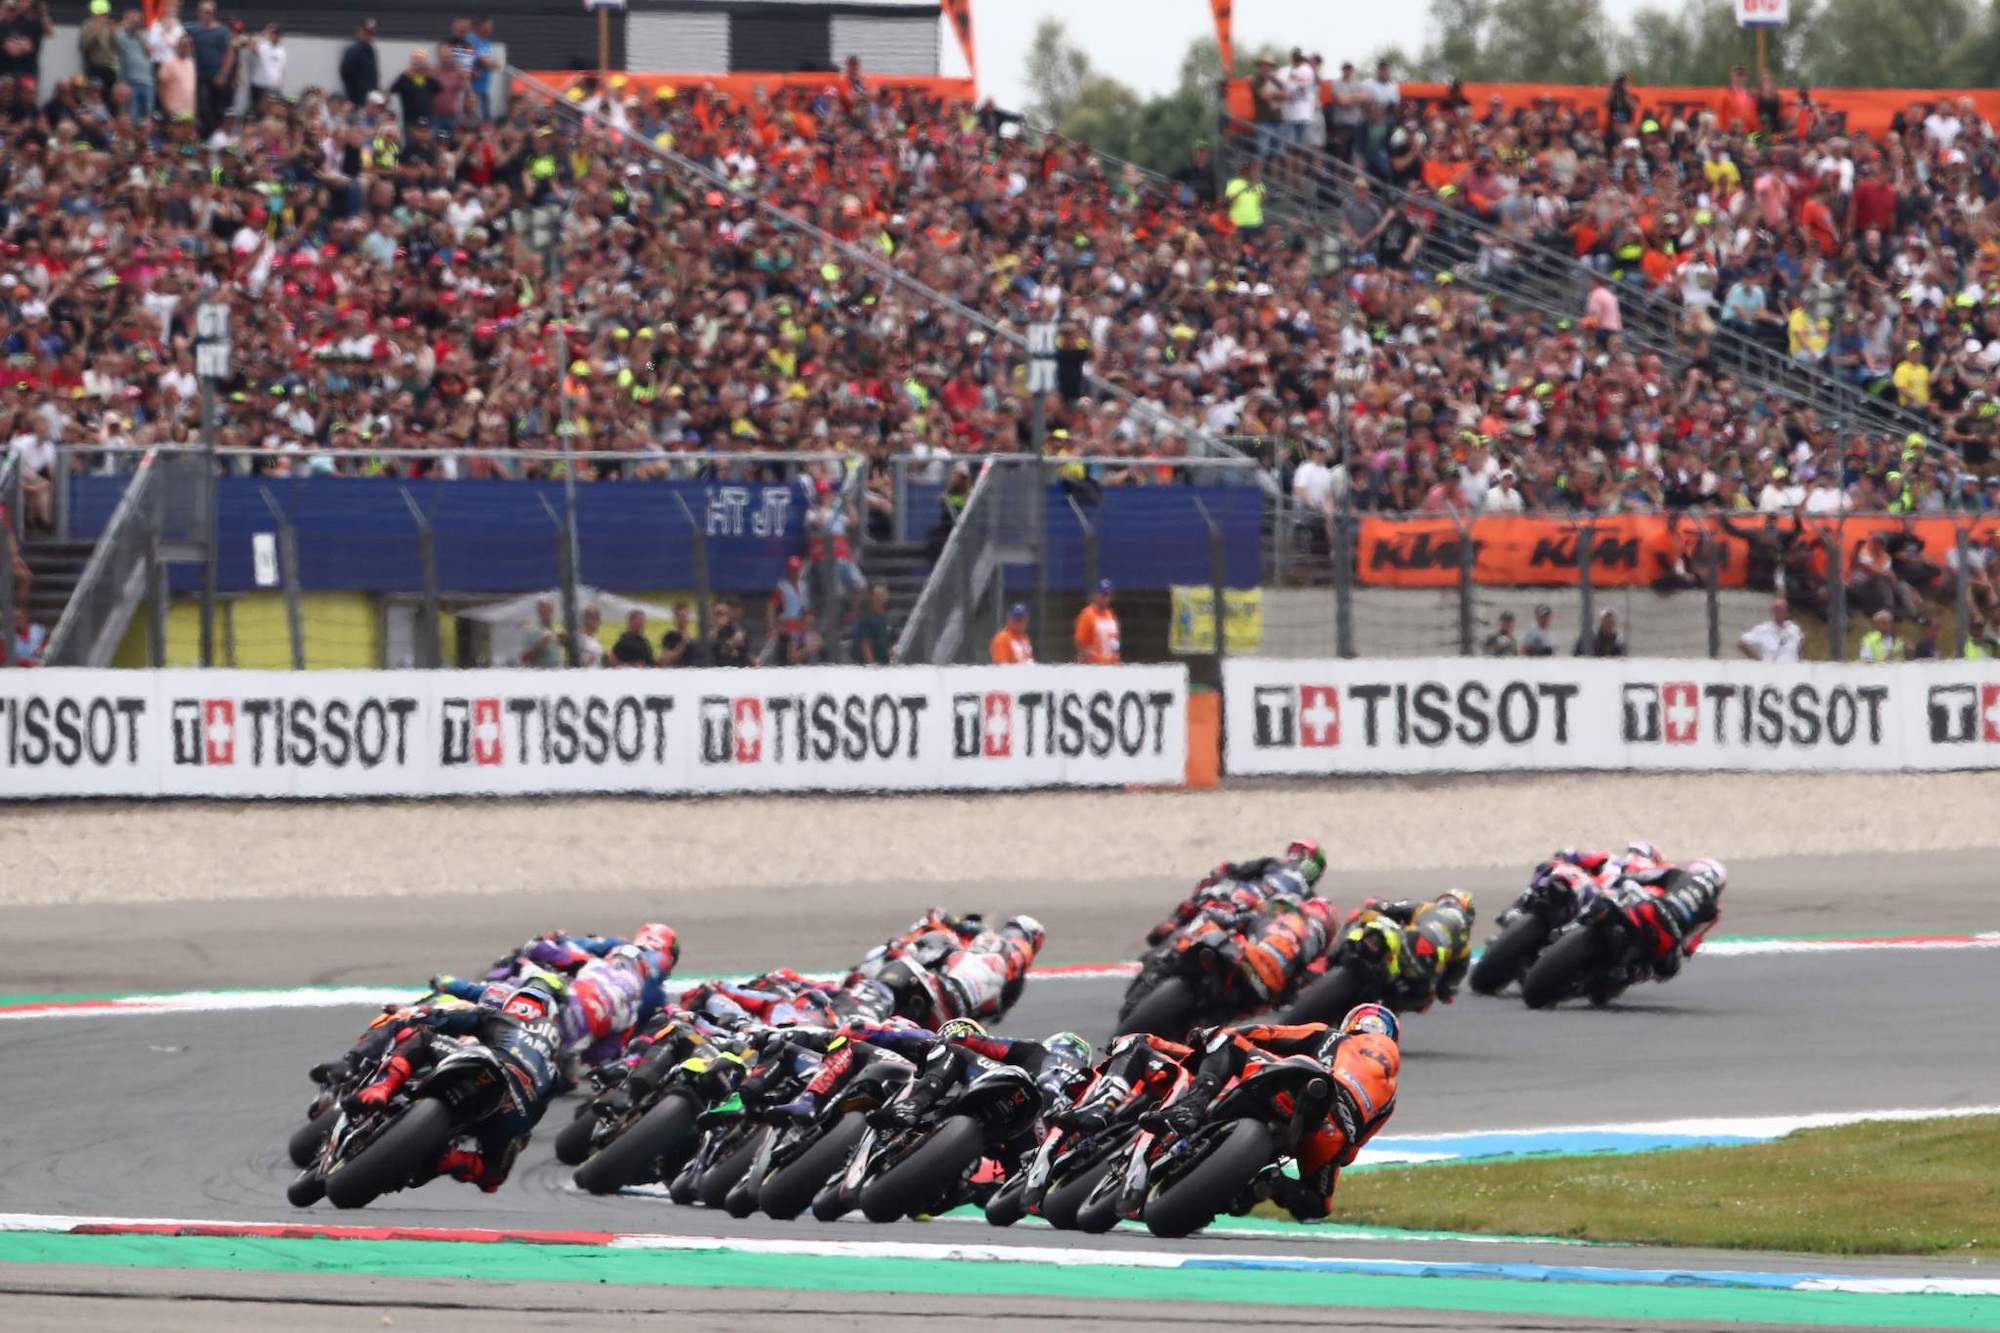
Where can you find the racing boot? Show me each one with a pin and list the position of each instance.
(395, 1073)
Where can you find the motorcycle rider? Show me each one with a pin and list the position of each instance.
(1435, 949)
(1138, 1065)
(936, 921)
(1682, 905)
(522, 1032)
(961, 1050)
(610, 995)
(1279, 938)
(1242, 885)
(986, 977)
(1638, 857)
(780, 998)
(1365, 1061)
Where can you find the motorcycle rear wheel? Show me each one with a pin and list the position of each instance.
(789, 1190)
(413, 1144)
(927, 1173)
(725, 1171)
(1556, 973)
(1167, 1011)
(573, 1139)
(1328, 999)
(1204, 1191)
(1506, 957)
(1063, 1206)
(307, 1139)
(633, 1158)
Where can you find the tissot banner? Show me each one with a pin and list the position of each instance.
(474, 733)
(1475, 715)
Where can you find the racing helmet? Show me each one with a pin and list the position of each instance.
(1070, 1045)
(553, 982)
(649, 962)
(958, 1029)
(1027, 928)
(1712, 871)
(654, 935)
(1640, 850)
(1462, 899)
(1376, 1018)
(1305, 855)
(1322, 911)
(532, 1001)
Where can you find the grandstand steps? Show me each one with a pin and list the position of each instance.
(57, 567)
(902, 568)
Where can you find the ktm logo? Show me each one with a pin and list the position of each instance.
(1605, 553)
(1419, 551)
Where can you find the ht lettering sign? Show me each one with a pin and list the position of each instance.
(1964, 714)
(267, 732)
(1068, 724)
(826, 728)
(558, 731)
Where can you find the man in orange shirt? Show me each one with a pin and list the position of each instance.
(1097, 629)
(1010, 644)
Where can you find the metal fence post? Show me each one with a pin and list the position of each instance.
(1711, 581)
(288, 574)
(156, 604)
(1343, 580)
(566, 583)
(1962, 594)
(1586, 540)
(968, 623)
(1468, 628)
(1836, 598)
(430, 627)
(7, 557)
(1217, 576)
(699, 540)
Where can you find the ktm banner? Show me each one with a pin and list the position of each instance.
(1853, 110)
(1626, 550)
(740, 87)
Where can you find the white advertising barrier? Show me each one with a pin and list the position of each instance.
(1476, 715)
(493, 733)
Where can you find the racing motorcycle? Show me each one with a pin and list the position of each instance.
(1597, 955)
(928, 1168)
(795, 1158)
(1190, 980)
(1178, 1185)
(1551, 901)
(372, 1152)
(1069, 1165)
(906, 986)
(647, 1126)
(1359, 969)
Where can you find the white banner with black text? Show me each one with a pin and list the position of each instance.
(496, 733)
(1478, 715)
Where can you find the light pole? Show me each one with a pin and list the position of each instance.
(546, 232)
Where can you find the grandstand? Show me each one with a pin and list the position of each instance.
(658, 334)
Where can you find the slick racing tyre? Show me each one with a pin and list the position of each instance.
(1556, 974)
(1503, 960)
(789, 1190)
(1167, 1011)
(1201, 1193)
(932, 1170)
(633, 1158)
(410, 1146)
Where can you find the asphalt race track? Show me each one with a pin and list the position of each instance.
(184, 1115)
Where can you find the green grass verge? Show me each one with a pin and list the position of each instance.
(1882, 1187)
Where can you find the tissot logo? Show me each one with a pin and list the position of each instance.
(473, 730)
(1428, 713)
(534, 730)
(809, 728)
(204, 731)
(1962, 714)
(997, 724)
(280, 731)
(1669, 712)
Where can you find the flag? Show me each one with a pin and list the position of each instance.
(1223, 40)
(960, 14)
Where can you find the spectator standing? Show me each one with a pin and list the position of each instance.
(214, 69)
(543, 646)
(1775, 640)
(1244, 194)
(1097, 641)
(451, 85)
(29, 639)
(97, 47)
(177, 79)
(633, 648)
(1606, 641)
(1880, 643)
(790, 602)
(360, 66)
(728, 645)
(1267, 101)
(414, 90)
(135, 66)
(1503, 496)
(872, 642)
(1383, 90)
(485, 59)
(1299, 104)
(1011, 645)
(1912, 378)
(267, 65)
(1538, 642)
(164, 33)
(24, 26)
(1501, 642)
(677, 645)
(588, 649)
(1600, 308)
(1347, 114)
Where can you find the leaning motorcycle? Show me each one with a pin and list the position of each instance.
(1190, 980)
(1360, 969)
(928, 1167)
(1551, 901)
(795, 1158)
(1069, 1164)
(1595, 957)
(1178, 1185)
(648, 1127)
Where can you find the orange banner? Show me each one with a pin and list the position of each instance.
(737, 87)
(1225, 38)
(1848, 110)
(959, 12)
(1627, 550)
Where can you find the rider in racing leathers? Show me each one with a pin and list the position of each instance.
(1682, 906)
(1435, 949)
(522, 1032)
(1365, 1061)
(611, 995)
(1280, 938)
(936, 921)
(1244, 884)
(985, 978)
(1138, 1065)
(962, 1050)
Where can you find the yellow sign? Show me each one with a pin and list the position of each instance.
(1194, 620)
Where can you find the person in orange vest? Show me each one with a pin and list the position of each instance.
(1010, 643)
(1097, 629)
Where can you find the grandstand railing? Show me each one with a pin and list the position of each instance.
(1308, 184)
(123, 570)
(939, 629)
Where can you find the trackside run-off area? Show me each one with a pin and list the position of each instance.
(150, 1191)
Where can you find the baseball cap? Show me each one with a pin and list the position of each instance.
(1018, 611)
(1104, 585)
